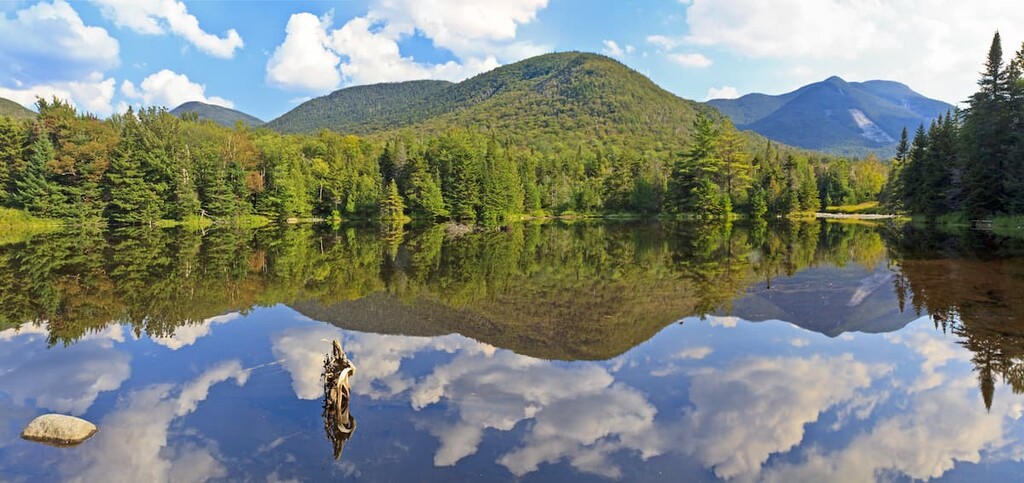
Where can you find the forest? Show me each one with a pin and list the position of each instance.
(148, 166)
(968, 164)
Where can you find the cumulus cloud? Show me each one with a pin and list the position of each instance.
(93, 94)
(743, 414)
(133, 443)
(611, 48)
(187, 335)
(316, 57)
(304, 60)
(170, 89)
(66, 380)
(158, 17)
(47, 50)
(945, 426)
(49, 42)
(579, 413)
(856, 39)
(724, 92)
(690, 60)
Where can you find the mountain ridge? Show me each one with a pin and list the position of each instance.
(14, 110)
(543, 98)
(221, 115)
(834, 115)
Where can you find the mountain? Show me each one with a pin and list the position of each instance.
(544, 99)
(14, 110)
(221, 115)
(851, 118)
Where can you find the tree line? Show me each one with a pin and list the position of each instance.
(144, 166)
(969, 162)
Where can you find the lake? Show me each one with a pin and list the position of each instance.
(544, 352)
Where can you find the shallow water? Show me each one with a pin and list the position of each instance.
(632, 351)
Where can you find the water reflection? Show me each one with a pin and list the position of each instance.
(523, 354)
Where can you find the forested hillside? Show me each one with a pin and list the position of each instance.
(553, 102)
(558, 134)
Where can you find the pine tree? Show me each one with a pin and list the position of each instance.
(131, 201)
(424, 193)
(736, 163)
(987, 126)
(691, 185)
(392, 207)
(33, 190)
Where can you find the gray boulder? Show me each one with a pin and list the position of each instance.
(59, 430)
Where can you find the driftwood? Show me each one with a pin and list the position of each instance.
(338, 422)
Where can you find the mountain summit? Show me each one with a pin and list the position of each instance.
(835, 115)
(218, 114)
(544, 98)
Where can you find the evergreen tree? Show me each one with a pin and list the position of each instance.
(424, 193)
(691, 187)
(392, 207)
(130, 199)
(736, 163)
(986, 124)
(33, 190)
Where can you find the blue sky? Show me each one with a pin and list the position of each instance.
(264, 57)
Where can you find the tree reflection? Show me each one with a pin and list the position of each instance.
(972, 285)
(556, 291)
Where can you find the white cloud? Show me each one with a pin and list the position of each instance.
(724, 92)
(695, 353)
(157, 17)
(169, 89)
(945, 423)
(93, 94)
(132, 444)
(744, 414)
(48, 42)
(690, 60)
(612, 49)
(187, 335)
(855, 39)
(66, 380)
(315, 57)
(667, 43)
(304, 60)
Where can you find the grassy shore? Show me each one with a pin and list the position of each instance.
(17, 226)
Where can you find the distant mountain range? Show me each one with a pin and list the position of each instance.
(834, 115)
(14, 110)
(221, 115)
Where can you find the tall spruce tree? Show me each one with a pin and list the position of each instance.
(988, 136)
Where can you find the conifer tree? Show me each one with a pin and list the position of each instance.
(986, 124)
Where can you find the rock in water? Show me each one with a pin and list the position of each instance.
(59, 430)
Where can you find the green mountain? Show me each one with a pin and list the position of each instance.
(834, 115)
(14, 110)
(553, 98)
(221, 115)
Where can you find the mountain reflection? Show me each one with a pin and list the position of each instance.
(552, 291)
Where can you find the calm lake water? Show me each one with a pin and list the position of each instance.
(554, 352)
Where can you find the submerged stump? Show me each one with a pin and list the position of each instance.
(338, 422)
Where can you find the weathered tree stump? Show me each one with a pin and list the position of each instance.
(338, 422)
